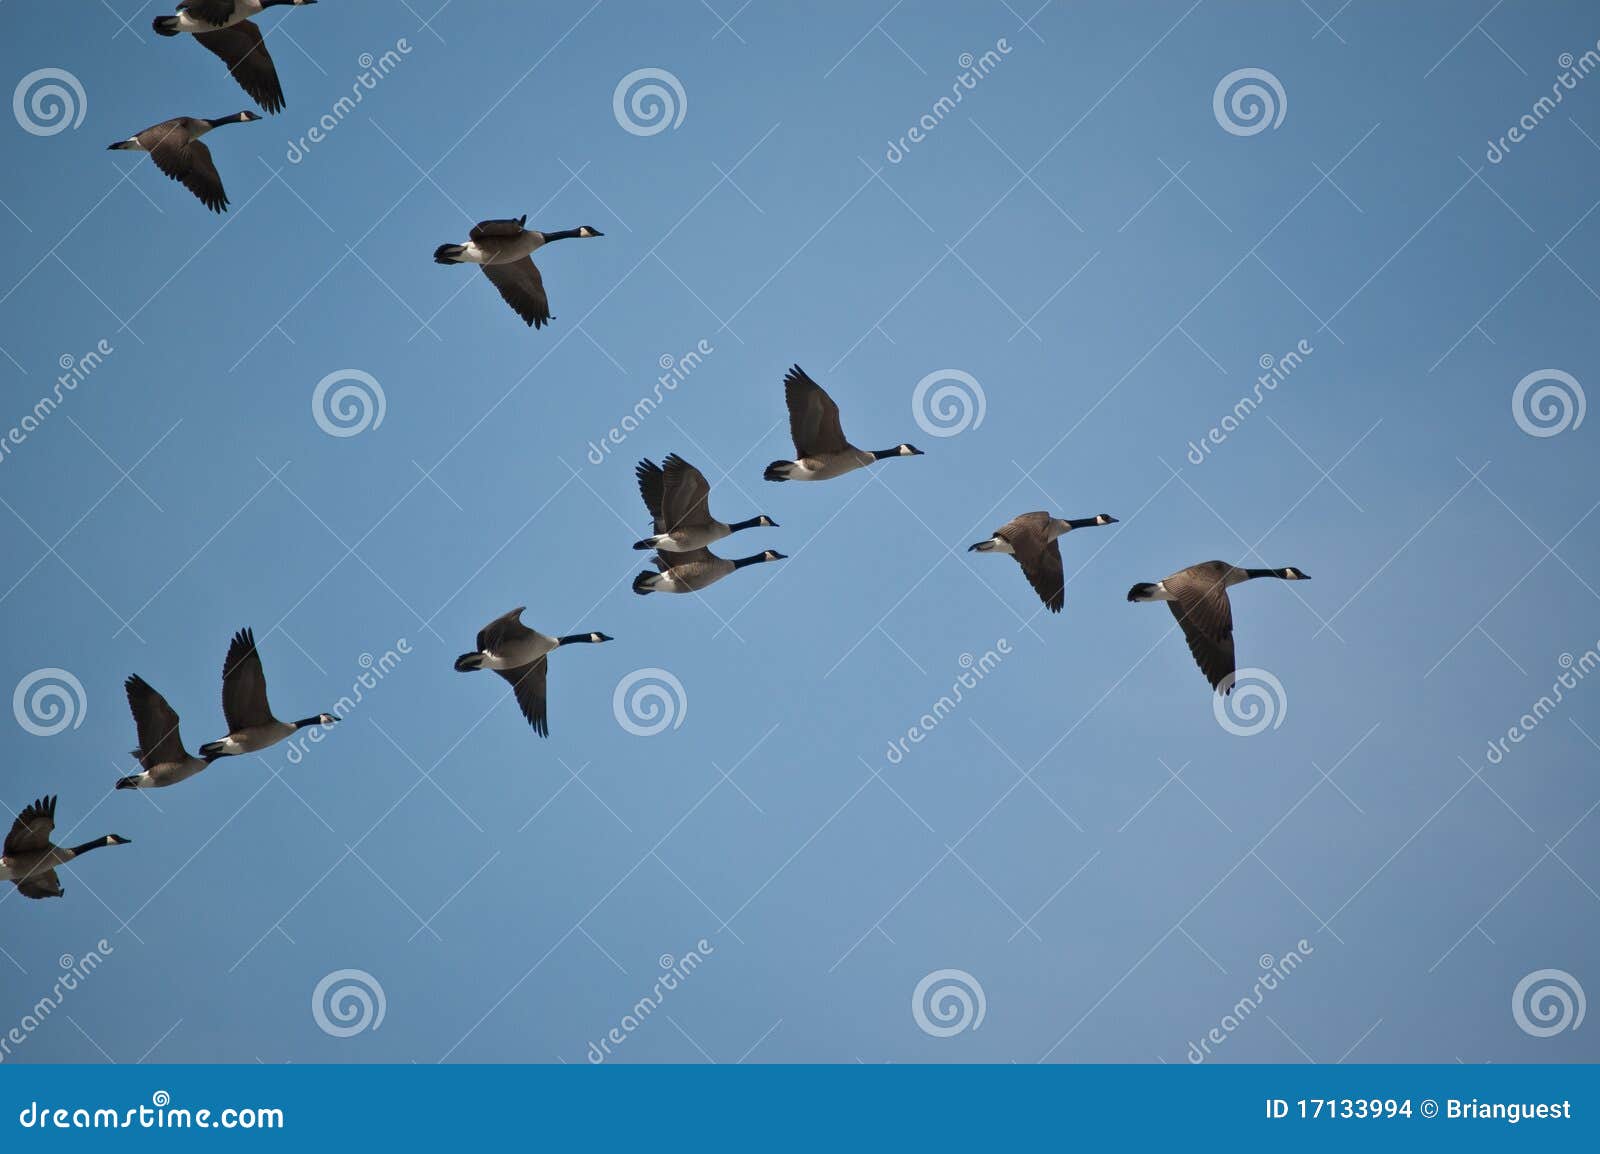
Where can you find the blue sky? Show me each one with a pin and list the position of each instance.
(1085, 240)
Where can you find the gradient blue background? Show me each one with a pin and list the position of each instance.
(828, 881)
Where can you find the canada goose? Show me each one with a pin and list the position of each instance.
(691, 570)
(175, 147)
(29, 861)
(1033, 540)
(676, 497)
(503, 248)
(251, 726)
(161, 751)
(224, 27)
(1198, 598)
(521, 656)
(821, 452)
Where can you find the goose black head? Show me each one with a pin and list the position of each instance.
(326, 719)
(1290, 573)
(117, 839)
(766, 522)
(599, 637)
(585, 231)
(909, 451)
(773, 555)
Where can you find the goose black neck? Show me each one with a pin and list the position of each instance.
(564, 234)
(751, 560)
(575, 639)
(1283, 573)
(307, 721)
(1082, 523)
(218, 121)
(86, 846)
(736, 526)
(884, 454)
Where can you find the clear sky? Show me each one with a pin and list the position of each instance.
(1107, 261)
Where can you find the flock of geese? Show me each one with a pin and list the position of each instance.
(675, 493)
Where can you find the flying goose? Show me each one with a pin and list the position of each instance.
(503, 248)
(691, 570)
(521, 656)
(161, 751)
(821, 452)
(29, 860)
(175, 147)
(251, 726)
(224, 27)
(675, 493)
(1198, 598)
(1033, 539)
